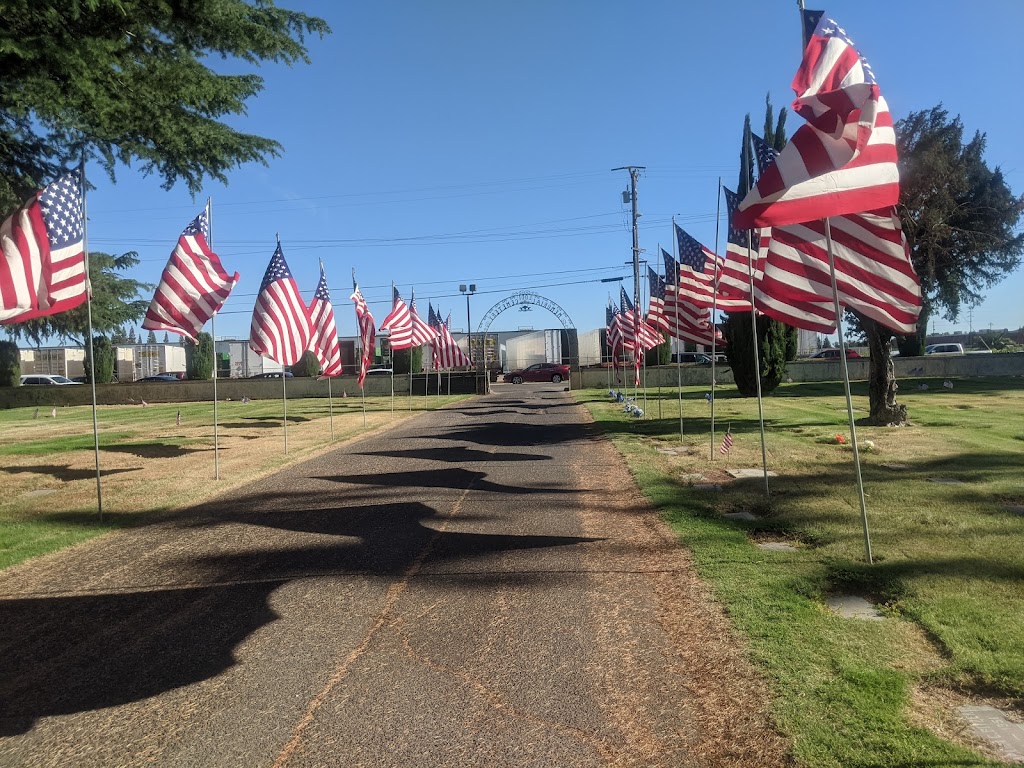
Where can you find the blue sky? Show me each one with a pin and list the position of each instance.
(433, 144)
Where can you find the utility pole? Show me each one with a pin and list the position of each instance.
(634, 174)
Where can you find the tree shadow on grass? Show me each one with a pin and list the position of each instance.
(65, 474)
(153, 450)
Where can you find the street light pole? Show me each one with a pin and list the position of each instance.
(469, 290)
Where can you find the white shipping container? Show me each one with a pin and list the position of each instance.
(60, 361)
(151, 359)
(536, 347)
(590, 352)
(124, 363)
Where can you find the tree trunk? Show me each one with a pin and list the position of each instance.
(885, 411)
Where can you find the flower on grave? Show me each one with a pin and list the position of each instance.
(841, 439)
(868, 445)
(638, 412)
(611, 393)
(707, 396)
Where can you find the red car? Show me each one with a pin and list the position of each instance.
(833, 354)
(553, 372)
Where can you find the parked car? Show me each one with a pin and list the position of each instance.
(272, 375)
(379, 372)
(34, 379)
(164, 377)
(179, 375)
(691, 357)
(833, 354)
(553, 372)
(944, 349)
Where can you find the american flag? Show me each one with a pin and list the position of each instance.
(364, 320)
(280, 327)
(726, 443)
(636, 333)
(193, 286)
(614, 331)
(42, 271)
(699, 273)
(324, 340)
(422, 333)
(843, 160)
(874, 274)
(668, 312)
(815, 314)
(399, 323)
(447, 353)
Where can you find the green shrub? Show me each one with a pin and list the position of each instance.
(10, 364)
(308, 365)
(199, 358)
(105, 356)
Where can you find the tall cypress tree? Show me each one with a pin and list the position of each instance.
(776, 341)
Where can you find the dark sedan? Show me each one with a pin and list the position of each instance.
(553, 372)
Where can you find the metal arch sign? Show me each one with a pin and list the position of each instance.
(521, 298)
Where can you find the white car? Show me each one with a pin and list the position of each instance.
(32, 379)
(944, 349)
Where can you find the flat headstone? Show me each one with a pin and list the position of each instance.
(776, 546)
(739, 516)
(707, 487)
(1015, 509)
(853, 607)
(896, 467)
(670, 451)
(738, 473)
(993, 726)
(40, 492)
(692, 478)
(946, 480)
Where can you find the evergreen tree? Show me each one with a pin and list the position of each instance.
(167, 339)
(115, 303)
(308, 365)
(104, 352)
(10, 364)
(199, 358)
(126, 82)
(131, 336)
(776, 341)
(962, 225)
(151, 338)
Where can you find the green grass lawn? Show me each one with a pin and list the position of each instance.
(149, 464)
(949, 557)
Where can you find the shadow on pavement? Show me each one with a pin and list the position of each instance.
(445, 478)
(72, 654)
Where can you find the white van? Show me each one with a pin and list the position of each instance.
(944, 349)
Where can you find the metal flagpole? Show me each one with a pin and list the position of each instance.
(284, 401)
(330, 406)
(670, 338)
(392, 351)
(753, 326)
(757, 365)
(639, 346)
(714, 313)
(213, 333)
(92, 353)
(849, 397)
(679, 356)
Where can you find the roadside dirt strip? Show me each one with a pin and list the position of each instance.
(481, 586)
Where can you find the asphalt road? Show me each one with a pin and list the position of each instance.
(480, 586)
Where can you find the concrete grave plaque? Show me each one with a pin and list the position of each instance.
(738, 473)
(776, 546)
(739, 516)
(853, 607)
(993, 726)
(707, 487)
(40, 492)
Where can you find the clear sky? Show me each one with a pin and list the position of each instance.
(433, 144)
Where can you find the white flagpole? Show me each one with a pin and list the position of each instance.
(213, 333)
(753, 326)
(92, 353)
(284, 401)
(849, 397)
(679, 356)
(714, 313)
(330, 406)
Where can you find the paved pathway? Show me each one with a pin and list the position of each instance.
(481, 586)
